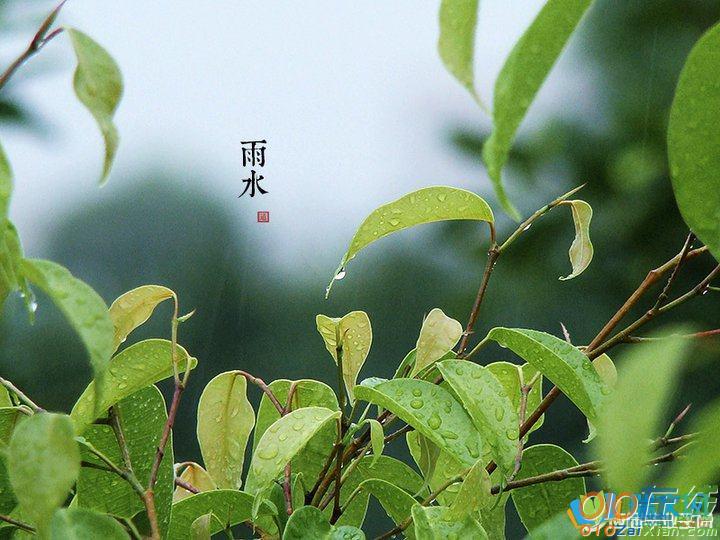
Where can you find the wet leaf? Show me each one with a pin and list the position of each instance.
(197, 477)
(694, 140)
(377, 436)
(224, 422)
(80, 524)
(489, 406)
(513, 377)
(430, 523)
(396, 502)
(537, 503)
(83, 308)
(140, 365)
(438, 335)
(229, 506)
(283, 440)
(565, 365)
(473, 495)
(456, 44)
(134, 307)
(354, 334)
(581, 250)
(43, 462)
(432, 411)
(309, 522)
(98, 85)
(427, 205)
(521, 77)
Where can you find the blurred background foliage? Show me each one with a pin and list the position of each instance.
(254, 316)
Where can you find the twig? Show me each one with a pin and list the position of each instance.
(187, 486)
(695, 335)
(663, 441)
(666, 290)
(338, 472)
(287, 488)
(126, 475)
(265, 388)
(114, 418)
(17, 523)
(21, 395)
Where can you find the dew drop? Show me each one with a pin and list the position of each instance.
(417, 403)
(269, 452)
(434, 422)
(341, 274)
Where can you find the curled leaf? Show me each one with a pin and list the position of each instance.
(377, 437)
(197, 477)
(134, 307)
(456, 44)
(438, 335)
(474, 493)
(581, 250)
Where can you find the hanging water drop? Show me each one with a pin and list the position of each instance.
(340, 274)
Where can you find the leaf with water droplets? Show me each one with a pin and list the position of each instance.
(474, 493)
(134, 307)
(136, 367)
(197, 477)
(308, 393)
(521, 77)
(646, 381)
(142, 417)
(431, 523)
(396, 501)
(81, 524)
(581, 250)
(377, 436)
(431, 410)
(456, 43)
(565, 365)
(537, 503)
(489, 406)
(43, 462)
(225, 419)
(513, 378)
(229, 506)
(98, 85)
(427, 205)
(83, 308)
(438, 335)
(309, 522)
(694, 140)
(351, 333)
(282, 441)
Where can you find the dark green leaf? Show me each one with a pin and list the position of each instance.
(308, 522)
(396, 502)
(80, 524)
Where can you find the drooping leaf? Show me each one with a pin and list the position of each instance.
(98, 85)
(134, 307)
(82, 306)
(521, 77)
(694, 140)
(283, 440)
(456, 44)
(353, 335)
(308, 393)
(229, 506)
(225, 419)
(489, 406)
(140, 365)
(396, 501)
(43, 462)
(513, 377)
(81, 524)
(425, 453)
(565, 365)
(435, 465)
(646, 379)
(581, 249)
(142, 417)
(309, 522)
(11, 276)
(537, 503)
(432, 411)
(438, 335)
(427, 205)
(431, 523)
(197, 477)
(377, 436)
(606, 369)
(474, 493)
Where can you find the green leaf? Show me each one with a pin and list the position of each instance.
(308, 393)
(581, 250)
(6, 184)
(197, 477)
(647, 378)
(432, 411)
(521, 77)
(80, 524)
(606, 369)
(134, 307)
(283, 440)
(473, 495)
(200, 528)
(539, 502)
(229, 506)
(438, 335)
(558, 527)
(427, 205)
(431, 523)
(435, 465)
(9, 419)
(44, 462)
(11, 277)
(396, 502)
(513, 377)
(142, 417)
(377, 436)
(82, 306)
(694, 140)
(225, 419)
(489, 406)
(309, 522)
(562, 363)
(98, 85)
(351, 333)
(140, 365)
(456, 44)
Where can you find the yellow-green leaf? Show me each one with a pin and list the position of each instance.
(474, 493)
(134, 307)
(397, 502)
(513, 378)
(456, 44)
(438, 335)
(200, 528)
(225, 419)
(98, 85)
(377, 437)
(197, 477)
(581, 250)
(431, 523)
(229, 506)
(427, 205)
(81, 524)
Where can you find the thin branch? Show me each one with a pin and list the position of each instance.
(287, 488)
(265, 388)
(338, 473)
(187, 486)
(126, 475)
(17, 523)
(694, 335)
(21, 395)
(114, 418)
(666, 290)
